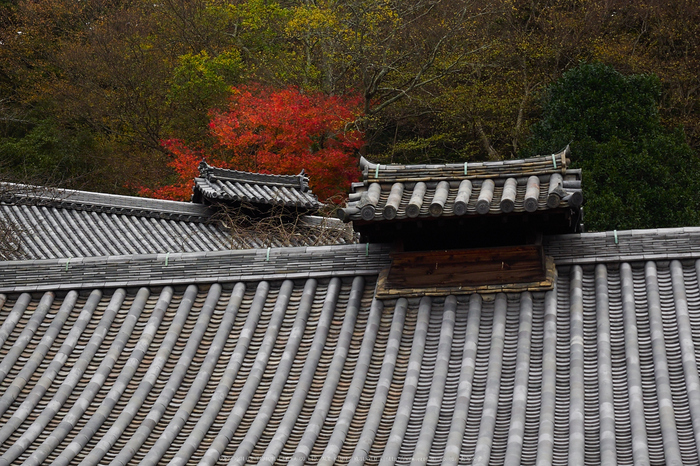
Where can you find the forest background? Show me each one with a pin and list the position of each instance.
(105, 95)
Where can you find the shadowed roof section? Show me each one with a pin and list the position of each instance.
(256, 189)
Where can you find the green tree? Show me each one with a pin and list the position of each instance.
(635, 173)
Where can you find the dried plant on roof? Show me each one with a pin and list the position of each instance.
(12, 233)
(251, 227)
(29, 192)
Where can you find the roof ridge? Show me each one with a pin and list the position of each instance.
(624, 245)
(313, 261)
(102, 202)
(539, 165)
(300, 181)
(192, 267)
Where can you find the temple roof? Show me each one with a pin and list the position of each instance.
(257, 189)
(400, 192)
(290, 355)
(286, 356)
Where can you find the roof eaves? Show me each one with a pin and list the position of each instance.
(401, 192)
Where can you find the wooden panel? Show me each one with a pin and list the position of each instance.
(470, 267)
(384, 291)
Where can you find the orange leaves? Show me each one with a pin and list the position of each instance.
(277, 131)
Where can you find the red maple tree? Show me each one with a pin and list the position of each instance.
(267, 130)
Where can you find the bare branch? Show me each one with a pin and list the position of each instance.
(485, 142)
(416, 83)
(249, 227)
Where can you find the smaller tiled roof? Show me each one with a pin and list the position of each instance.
(48, 223)
(397, 192)
(220, 184)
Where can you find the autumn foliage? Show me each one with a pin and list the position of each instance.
(265, 130)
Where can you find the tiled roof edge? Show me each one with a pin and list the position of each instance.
(213, 189)
(102, 202)
(199, 267)
(624, 246)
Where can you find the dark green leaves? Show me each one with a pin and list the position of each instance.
(635, 174)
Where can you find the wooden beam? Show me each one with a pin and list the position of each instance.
(386, 291)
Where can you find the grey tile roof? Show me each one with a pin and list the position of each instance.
(52, 232)
(271, 366)
(601, 369)
(287, 355)
(58, 223)
(218, 184)
(396, 192)
(630, 245)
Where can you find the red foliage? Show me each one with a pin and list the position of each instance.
(276, 131)
(185, 162)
